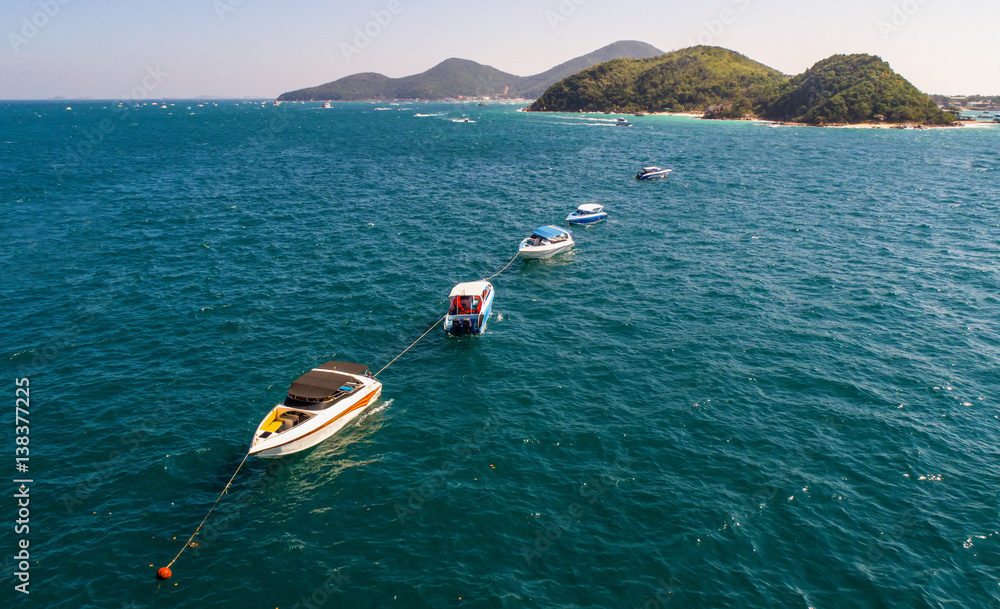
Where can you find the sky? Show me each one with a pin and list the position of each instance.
(117, 49)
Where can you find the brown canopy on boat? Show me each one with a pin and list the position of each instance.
(324, 381)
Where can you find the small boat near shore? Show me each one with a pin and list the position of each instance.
(319, 403)
(653, 173)
(469, 306)
(545, 242)
(588, 213)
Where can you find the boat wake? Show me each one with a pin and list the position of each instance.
(592, 119)
(418, 115)
(602, 123)
(380, 407)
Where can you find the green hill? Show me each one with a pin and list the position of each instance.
(685, 80)
(725, 84)
(461, 77)
(852, 89)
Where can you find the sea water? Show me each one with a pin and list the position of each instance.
(769, 381)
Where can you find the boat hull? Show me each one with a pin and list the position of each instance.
(588, 219)
(321, 426)
(654, 175)
(544, 251)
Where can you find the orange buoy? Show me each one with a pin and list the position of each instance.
(163, 573)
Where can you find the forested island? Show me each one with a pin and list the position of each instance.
(842, 89)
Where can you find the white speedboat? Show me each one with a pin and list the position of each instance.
(622, 122)
(546, 241)
(588, 213)
(318, 404)
(469, 306)
(327, 105)
(653, 173)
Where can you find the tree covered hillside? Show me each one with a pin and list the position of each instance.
(852, 89)
(685, 80)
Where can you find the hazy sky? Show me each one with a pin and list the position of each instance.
(261, 48)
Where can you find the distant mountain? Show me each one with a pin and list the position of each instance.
(461, 77)
(853, 89)
(619, 50)
(685, 80)
(725, 84)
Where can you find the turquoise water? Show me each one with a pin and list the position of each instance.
(770, 381)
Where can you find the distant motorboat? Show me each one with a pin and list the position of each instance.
(653, 173)
(622, 122)
(588, 213)
(546, 241)
(469, 306)
(318, 404)
(327, 105)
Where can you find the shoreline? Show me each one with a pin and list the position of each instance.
(755, 119)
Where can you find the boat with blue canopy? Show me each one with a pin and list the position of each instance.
(546, 241)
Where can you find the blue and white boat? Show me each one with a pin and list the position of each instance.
(545, 242)
(622, 122)
(588, 213)
(469, 306)
(653, 173)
